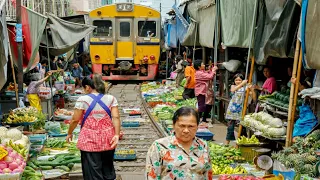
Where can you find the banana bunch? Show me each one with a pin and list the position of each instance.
(228, 170)
(14, 118)
(23, 151)
(245, 140)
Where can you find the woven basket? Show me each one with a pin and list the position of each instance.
(248, 151)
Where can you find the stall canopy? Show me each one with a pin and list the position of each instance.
(277, 25)
(181, 22)
(202, 21)
(310, 33)
(171, 33)
(33, 25)
(236, 22)
(3, 44)
(64, 35)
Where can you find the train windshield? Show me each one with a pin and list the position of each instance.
(147, 28)
(125, 29)
(104, 28)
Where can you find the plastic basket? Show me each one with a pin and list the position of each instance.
(205, 135)
(130, 124)
(10, 93)
(248, 151)
(125, 157)
(38, 139)
(16, 176)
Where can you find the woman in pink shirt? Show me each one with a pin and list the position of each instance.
(270, 85)
(202, 79)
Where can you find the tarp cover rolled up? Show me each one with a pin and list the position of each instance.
(277, 24)
(64, 35)
(312, 35)
(3, 45)
(204, 13)
(33, 25)
(236, 22)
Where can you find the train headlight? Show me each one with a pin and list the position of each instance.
(152, 57)
(124, 7)
(145, 59)
(97, 57)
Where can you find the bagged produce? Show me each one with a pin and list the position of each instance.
(53, 127)
(232, 65)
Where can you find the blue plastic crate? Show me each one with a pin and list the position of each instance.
(205, 135)
(37, 139)
(130, 124)
(129, 156)
(125, 157)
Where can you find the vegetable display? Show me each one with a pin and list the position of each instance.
(229, 177)
(55, 143)
(12, 163)
(14, 139)
(265, 123)
(245, 140)
(221, 158)
(59, 161)
(281, 98)
(301, 155)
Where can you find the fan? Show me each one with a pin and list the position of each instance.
(264, 162)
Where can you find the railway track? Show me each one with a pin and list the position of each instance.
(137, 138)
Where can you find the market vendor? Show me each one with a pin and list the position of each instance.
(182, 154)
(100, 129)
(270, 85)
(77, 73)
(307, 82)
(202, 78)
(33, 89)
(179, 70)
(189, 74)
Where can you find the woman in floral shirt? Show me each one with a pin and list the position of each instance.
(181, 156)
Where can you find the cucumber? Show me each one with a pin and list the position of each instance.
(70, 157)
(65, 168)
(30, 168)
(75, 160)
(32, 165)
(51, 159)
(70, 165)
(46, 167)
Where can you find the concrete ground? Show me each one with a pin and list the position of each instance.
(220, 131)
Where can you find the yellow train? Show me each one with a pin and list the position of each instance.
(126, 42)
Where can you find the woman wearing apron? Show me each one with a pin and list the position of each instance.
(99, 117)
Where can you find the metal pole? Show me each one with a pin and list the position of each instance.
(215, 58)
(50, 78)
(167, 61)
(19, 40)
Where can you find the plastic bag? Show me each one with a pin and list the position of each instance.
(173, 75)
(305, 123)
(53, 127)
(232, 65)
(45, 92)
(183, 82)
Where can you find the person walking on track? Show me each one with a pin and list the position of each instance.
(99, 117)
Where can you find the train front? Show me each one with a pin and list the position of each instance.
(126, 42)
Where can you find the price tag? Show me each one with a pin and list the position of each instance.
(3, 153)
